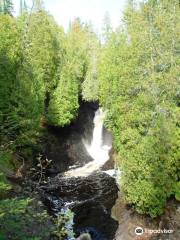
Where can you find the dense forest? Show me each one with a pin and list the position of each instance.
(132, 72)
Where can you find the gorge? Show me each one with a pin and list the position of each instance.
(89, 122)
(85, 188)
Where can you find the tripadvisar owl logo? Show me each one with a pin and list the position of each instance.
(139, 231)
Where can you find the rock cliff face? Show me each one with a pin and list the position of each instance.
(64, 145)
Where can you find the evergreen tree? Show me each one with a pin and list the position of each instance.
(9, 59)
(138, 73)
(39, 70)
(6, 7)
(64, 104)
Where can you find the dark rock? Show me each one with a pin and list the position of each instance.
(91, 198)
(97, 186)
(64, 145)
(94, 215)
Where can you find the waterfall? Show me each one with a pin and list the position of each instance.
(97, 149)
(98, 129)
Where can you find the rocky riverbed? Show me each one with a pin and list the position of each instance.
(77, 179)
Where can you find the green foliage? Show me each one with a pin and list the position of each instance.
(90, 85)
(6, 7)
(43, 49)
(64, 103)
(25, 219)
(5, 187)
(64, 223)
(21, 219)
(177, 190)
(44, 72)
(6, 167)
(41, 73)
(30, 60)
(8, 63)
(5, 161)
(16, 91)
(138, 78)
(38, 73)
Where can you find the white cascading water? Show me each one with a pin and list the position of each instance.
(96, 149)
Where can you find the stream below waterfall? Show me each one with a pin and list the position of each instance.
(81, 178)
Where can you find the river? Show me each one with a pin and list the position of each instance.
(86, 184)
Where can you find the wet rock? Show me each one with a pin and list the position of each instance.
(94, 215)
(90, 198)
(97, 186)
